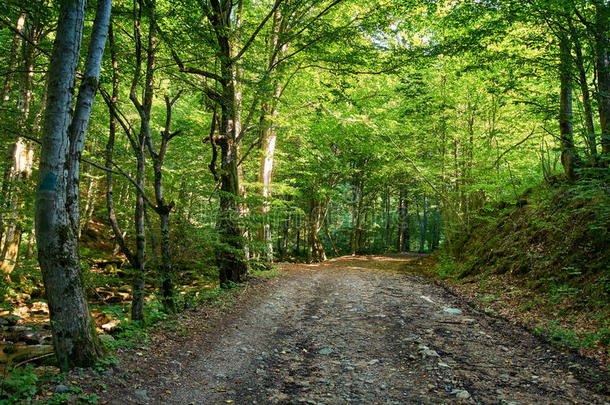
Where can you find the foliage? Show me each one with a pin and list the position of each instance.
(19, 384)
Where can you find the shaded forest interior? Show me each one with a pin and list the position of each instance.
(158, 153)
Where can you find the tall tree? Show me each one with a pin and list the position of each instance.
(569, 158)
(221, 15)
(57, 211)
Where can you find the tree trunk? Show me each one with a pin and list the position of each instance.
(18, 167)
(404, 240)
(297, 250)
(268, 133)
(284, 245)
(586, 97)
(357, 219)
(423, 225)
(74, 337)
(89, 205)
(387, 234)
(315, 250)
(237, 79)
(568, 153)
(119, 236)
(603, 74)
(163, 209)
(401, 219)
(268, 138)
(138, 282)
(231, 263)
(12, 64)
(144, 110)
(167, 284)
(328, 235)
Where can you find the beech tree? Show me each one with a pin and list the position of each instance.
(57, 210)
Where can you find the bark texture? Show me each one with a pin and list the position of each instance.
(568, 152)
(57, 221)
(603, 73)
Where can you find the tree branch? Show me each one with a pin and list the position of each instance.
(250, 148)
(257, 30)
(118, 171)
(513, 147)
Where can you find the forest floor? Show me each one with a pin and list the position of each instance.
(365, 330)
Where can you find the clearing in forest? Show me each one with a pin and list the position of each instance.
(352, 330)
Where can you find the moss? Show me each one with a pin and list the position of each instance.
(555, 247)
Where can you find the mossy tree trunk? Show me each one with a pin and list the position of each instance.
(57, 214)
(569, 158)
(315, 218)
(603, 74)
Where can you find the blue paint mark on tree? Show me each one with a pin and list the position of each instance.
(49, 182)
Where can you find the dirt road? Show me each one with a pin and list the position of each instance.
(360, 331)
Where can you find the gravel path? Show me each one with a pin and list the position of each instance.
(364, 331)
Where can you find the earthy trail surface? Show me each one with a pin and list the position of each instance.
(352, 330)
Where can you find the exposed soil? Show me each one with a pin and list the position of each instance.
(352, 330)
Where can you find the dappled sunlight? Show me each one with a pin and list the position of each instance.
(177, 173)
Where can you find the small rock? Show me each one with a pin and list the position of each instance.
(325, 351)
(441, 364)
(221, 376)
(39, 307)
(453, 311)
(9, 320)
(429, 353)
(141, 395)
(373, 362)
(61, 389)
(106, 338)
(462, 395)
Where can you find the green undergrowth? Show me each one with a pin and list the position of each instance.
(196, 286)
(544, 258)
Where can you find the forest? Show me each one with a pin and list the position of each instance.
(162, 156)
